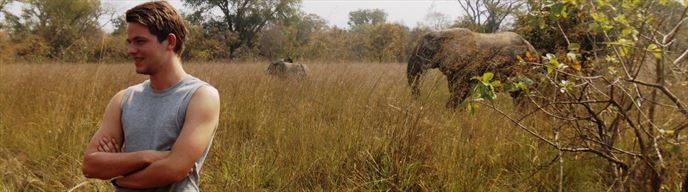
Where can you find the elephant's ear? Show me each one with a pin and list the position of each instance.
(430, 42)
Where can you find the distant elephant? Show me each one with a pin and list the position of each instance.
(284, 68)
(462, 54)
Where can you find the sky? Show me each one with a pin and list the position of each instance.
(336, 12)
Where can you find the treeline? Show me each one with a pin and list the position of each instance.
(223, 30)
(69, 31)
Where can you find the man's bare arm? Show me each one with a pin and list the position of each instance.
(107, 165)
(202, 116)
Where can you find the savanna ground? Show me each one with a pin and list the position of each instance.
(348, 127)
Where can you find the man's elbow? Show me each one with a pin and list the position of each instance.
(177, 174)
(172, 173)
(86, 170)
(90, 170)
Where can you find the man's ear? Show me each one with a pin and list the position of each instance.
(172, 41)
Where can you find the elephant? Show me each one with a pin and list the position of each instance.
(461, 54)
(285, 68)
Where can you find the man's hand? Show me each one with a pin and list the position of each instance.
(201, 119)
(103, 157)
(109, 145)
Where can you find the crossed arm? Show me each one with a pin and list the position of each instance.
(149, 169)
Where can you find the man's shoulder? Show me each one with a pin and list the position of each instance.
(206, 96)
(127, 91)
(203, 86)
(207, 91)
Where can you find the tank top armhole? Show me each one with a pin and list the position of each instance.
(125, 97)
(185, 103)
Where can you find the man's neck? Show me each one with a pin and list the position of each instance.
(168, 76)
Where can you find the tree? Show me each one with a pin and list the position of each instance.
(629, 111)
(437, 21)
(290, 37)
(366, 16)
(240, 21)
(307, 25)
(487, 15)
(386, 42)
(63, 23)
(552, 33)
(202, 48)
(55, 29)
(119, 24)
(334, 45)
(4, 3)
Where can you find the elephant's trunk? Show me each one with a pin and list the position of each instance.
(415, 71)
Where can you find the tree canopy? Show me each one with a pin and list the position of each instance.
(367, 16)
(238, 22)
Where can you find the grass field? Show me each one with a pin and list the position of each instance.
(348, 127)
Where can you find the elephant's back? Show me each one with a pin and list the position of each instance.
(461, 40)
(501, 39)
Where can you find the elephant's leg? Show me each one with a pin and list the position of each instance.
(457, 96)
(458, 90)
(453, 100)
(415, 86)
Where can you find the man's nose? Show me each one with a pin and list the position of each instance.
(132, 50)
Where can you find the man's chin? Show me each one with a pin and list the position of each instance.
(142, 71)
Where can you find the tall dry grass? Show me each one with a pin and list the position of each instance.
(348, 127)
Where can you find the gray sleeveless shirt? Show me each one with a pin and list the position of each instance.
(152, 120)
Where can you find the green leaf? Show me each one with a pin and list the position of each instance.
(601, 20)
(522, 86)
(471, 108)
(626, 31)
(612, 70)
(487, 77)
(552, 63)
(487, 92)
(656, 51)
(623, 41)
(651, 46)
(510, 87)
(611, 59)
(527, 81)
(623, 51)
(621, 19)
(574, 47)
(559, 10)
(496, 83)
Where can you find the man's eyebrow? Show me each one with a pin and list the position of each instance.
(136, 38)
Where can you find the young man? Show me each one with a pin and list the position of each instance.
(155, 135)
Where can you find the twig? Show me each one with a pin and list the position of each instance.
(667, 92)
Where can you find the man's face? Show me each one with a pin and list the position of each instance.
(148, 54)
